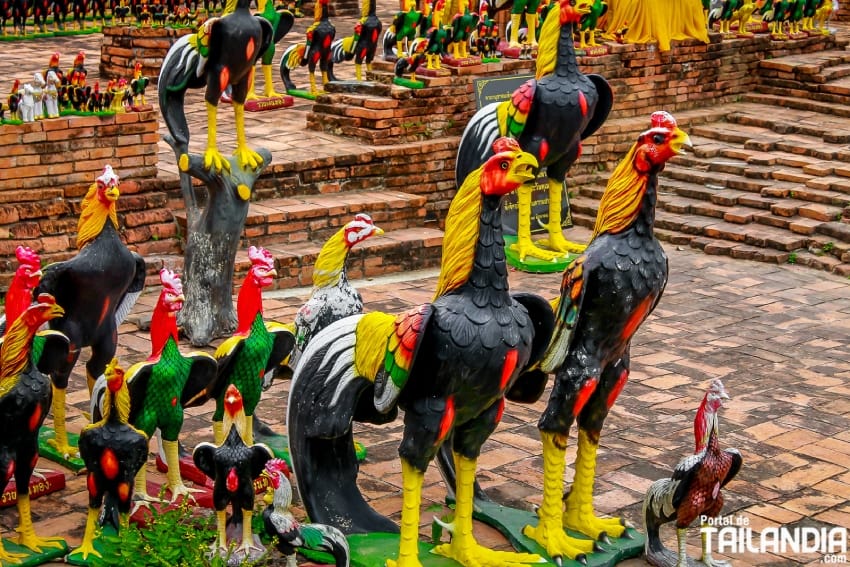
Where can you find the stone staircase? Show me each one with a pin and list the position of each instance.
(769, 181)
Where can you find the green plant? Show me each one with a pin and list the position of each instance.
(828, 247)
(792, 258)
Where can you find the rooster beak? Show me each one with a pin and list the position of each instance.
(680, 141)
(378, 231)
(524, 168)
(112, 193)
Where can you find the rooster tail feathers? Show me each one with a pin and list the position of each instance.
(182, 69)
(476, 144)
(327, 538)
(389, 44)
(291, 59)
(658, 509)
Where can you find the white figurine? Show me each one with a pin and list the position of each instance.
(38, 84)
(26, 108)
(51, 95)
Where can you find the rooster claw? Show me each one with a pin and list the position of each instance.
(603, 538)
(580, 558)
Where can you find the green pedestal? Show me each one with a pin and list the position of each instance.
(535, 265)
(47, 451)
(301, 94)
(373, 550)
(279, 444)
(99, 545)
(32, 558)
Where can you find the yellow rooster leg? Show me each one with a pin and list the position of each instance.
(408, 549)
(90, 380)
(578, 514)
(269, 83)
(221, 523)
(358, 72)
(251, 78)
(549, 532)
(87, 546)
(60, 435)
(8, 556)
(325, 79)
(524, 246)
(398, 49)
(247, 534)
(173, 479)
(213, 160)
(218, 432)
(27, 536)
(140, 485)
(463, 548)
(245, 156)
(313, 89)
(531, 22)
(514, 39)
(556, 240)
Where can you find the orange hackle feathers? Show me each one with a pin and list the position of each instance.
(98, 206)
(234, 411)
(15, 351)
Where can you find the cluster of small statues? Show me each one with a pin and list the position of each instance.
(53, 92)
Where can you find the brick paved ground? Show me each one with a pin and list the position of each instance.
(777, 335)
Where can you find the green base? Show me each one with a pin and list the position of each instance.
(409, 83)
(99, 544)
(491, 60)
(279, 444)
(72, 112)
(510, 522)
(301, 94)
(76, 464)
(373, 550)
(536, 265)
(32, 558)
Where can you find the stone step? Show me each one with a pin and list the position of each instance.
(833, 73)
(822, 103)
(806, 64)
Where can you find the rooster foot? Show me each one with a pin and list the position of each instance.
(557, 242)
(471, 554)
(86, 549)
(271, 93)
(181, 490)
(709, 561)
(591, 526)
(525, 247)
(35, 543)
(404, 561)
(9, 558)
(214, 161)
(64, 449)
(247, 158)
(550, 534)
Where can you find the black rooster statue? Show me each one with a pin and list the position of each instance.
(290, 533)
(113, 451)
(606, 294)
(694, 489)
(449, 364)
(362, 45)
(316, 50)
(98, 287)
(24, 402)
(550, 116)
(233, 466)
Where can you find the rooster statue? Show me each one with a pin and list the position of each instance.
(114, 451)
(606, 293)
(166, 382)
(255, 349)
(24, 401)
(290, 533)
(233, 465)
(362, 45)
(449, 364)
(333, 297)
(221, 53)
(694, 489)
(25, 280)
(98, 287)
(281, 21)
(138, 85)
(550, 116)
(317, 50)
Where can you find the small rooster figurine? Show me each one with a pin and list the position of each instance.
(233, 466)
(24, 403)
(362, 45)
(166, 382)
(114, 451)
(98, 287)
(281, 524)
(606, 294)
(333, 297)
(25, 280)
(281, 21)
(317, 50)
(138, 85)
(254, 350)
(694, 489)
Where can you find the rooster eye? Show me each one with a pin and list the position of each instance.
(658, 138)
(504, 165)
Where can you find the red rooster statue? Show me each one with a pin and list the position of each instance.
(25, 280)
(606, 294)
(694, 489)
(98, 287)
(24, 402)
(449, 364)
(550, 116)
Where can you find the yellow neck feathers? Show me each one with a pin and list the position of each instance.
(14, 354)
(547, 50)
(621, 201)
(93, 217)
(331, 260)
(461, 235)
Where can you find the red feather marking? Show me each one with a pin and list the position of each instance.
(91, 484)
(35, 418)
(316, 57)
(224, 79)
(584, 393)
(447, 420)
(363, 53)
(500, 411)
(124, 491)
(109, 464)
(374, 36)
(10, 470)
(618, 387)
(580, 150)
(327, 42)
(232, 480)
(508, 367)
(636, 318)
(173, 402)
(34, 461)
(582, 103)
(544, 150)
(249, 49)
(103, 311)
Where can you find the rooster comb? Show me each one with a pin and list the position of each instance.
(54, 59)
(505, 144)
(26, 255)
(232, 400)
(81, 56)
(108, 178)
(278, 466)
(663, 119)
(171, 280)
(260, 256)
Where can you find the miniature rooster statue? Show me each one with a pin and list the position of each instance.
(222, 53)
(281, 21)
(24, 402)
(255, 349)
(694, 489)
(25, 280)
(317, 50)
(233, 465)
(114, 451)
(606, 294)
(362, 45)
(98, 287)
(550, 116)
(138, 85)
(333, 297)
(290, 533)
(448, 364)
(166, 382)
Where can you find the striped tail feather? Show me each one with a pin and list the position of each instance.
(342, 49)
(327, 538)
(291, 59)
(388, 44)
(182, 69)
(476, 144)
(326, 395)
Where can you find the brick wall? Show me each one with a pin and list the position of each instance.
(123, 46)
